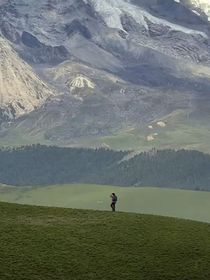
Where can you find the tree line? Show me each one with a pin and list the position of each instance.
(42, 165)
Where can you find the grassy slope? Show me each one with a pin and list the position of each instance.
(180, 132)
(51, 243)
(166, 202)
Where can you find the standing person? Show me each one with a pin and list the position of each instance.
(114, 201)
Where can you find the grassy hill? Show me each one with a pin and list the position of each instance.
(54, 243)
(166, 202)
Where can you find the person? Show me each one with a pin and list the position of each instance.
(114, 201)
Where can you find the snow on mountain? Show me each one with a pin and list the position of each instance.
(112, 10)
(121, 68)
(81, 82)
(204, 5)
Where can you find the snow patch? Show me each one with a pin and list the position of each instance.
(150, 138)
(161, 124)
(105, 146)
(81, 82)
(204, 5)
(196, 12)
(112, 10)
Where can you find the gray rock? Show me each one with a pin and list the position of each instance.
(145, 60)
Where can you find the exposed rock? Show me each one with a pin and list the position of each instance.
(76, 27)
(21, 91)
(30, 41)
(130, 25)
(117, 64)
(37, 52)
(157, 29)
(9, 32)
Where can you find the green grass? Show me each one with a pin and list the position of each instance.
(186, 204)
(54, 243)
(180, 132)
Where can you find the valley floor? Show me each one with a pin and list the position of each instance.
(194, 205)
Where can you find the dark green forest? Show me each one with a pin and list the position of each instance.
(41, 165)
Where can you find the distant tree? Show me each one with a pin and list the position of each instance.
(43, 165)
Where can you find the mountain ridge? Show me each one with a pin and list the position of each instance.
(148, 61)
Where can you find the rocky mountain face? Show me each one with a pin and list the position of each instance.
(21, 91)
(124, 73)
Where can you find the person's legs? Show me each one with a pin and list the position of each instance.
(113, 206)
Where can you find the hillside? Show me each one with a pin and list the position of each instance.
(52, 243)
(183, 204)
(42, 165)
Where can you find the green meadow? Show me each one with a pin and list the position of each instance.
(185, 204)
(39, 243)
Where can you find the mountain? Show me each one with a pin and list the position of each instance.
(21, 91)
(201, 6)
(119, 69)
